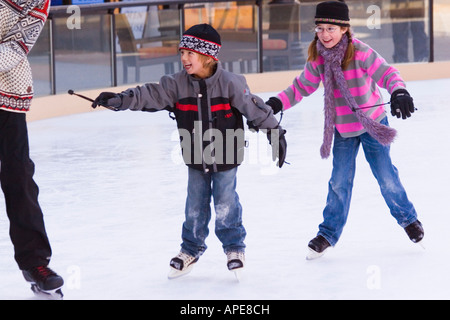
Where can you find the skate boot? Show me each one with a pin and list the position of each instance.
(415, 232)
(235, 262)
(44, 282)
(181, 265)
(317, 247)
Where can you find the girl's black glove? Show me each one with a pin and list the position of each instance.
(275, 104)
(401, 104)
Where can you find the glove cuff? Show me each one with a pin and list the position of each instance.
(399, 93)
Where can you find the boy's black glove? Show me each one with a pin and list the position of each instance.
(252, 127)
(275, 104)
(401, 104)
(110, 100)
(279, 147)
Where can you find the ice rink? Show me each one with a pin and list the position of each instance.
(113, 189)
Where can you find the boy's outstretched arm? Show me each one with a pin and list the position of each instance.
(149, 97)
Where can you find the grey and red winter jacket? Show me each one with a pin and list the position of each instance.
(208, 114)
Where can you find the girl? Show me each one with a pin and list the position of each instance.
(351, 71)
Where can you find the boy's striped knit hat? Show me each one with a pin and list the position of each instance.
(203, 39)
(332, 12)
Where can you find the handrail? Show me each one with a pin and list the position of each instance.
(62, 10)
(109, 9)
(431, 29)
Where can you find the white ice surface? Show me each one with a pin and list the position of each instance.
(113, 195)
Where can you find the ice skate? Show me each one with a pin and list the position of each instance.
(415, 232)
(181, 265)
(317, 247)
(45, 283)
(235, 263)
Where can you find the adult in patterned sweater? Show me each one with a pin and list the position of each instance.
(21, 22)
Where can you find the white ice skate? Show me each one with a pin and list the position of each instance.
(181, 265)
(235, 263)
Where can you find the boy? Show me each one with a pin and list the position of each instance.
(208, 103)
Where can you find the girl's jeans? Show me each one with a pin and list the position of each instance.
(228, 227)
(341, 184)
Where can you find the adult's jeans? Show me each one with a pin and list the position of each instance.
(228, 224)
(400, 34)
(340, 185)
(27, 230)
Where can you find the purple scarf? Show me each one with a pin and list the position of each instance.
(333, 58)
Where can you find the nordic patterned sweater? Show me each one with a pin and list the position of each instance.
(21, 22)
(365, 73)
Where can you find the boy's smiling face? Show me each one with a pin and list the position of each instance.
(194, 64)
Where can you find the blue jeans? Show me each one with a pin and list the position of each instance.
(341, 184)
(228, 227)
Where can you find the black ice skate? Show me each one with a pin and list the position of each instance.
(317, 247)
(415, 232)
(44, 282)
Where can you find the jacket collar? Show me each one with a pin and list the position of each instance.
(211, 81)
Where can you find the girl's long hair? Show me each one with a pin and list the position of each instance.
(349, 55)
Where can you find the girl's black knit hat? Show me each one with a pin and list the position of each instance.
(332, 12)
(203, 39)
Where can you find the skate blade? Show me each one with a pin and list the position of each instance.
(237, 273)
(421, 244)
(312, 255)
(175, 273)
(55, 294)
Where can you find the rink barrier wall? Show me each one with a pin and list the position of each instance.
(65, 104)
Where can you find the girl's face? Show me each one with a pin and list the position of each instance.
(330, 34)
(194, 65)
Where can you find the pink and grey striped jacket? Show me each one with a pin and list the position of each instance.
(365, 73)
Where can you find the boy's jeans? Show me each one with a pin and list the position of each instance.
(341, 184)
(229, 229)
